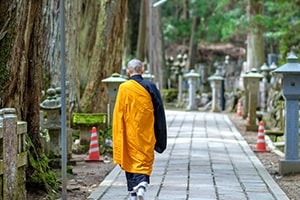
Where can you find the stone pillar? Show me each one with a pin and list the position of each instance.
(291, 93)
(215, 83)
(246, 95)
(192, 77)
(264, 84)
(180, 90)
(273, 79)
(253, 88)
(180, 71)
(10, 143)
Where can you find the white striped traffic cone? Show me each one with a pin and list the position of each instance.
(261, 144)
(239, 108)
(94, 154)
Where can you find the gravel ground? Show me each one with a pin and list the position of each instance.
(290, 184)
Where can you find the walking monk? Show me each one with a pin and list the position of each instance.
(139, 128)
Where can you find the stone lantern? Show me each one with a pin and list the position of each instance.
(51, 123)
(291, 92)
(274, 80)
(253, 78)
(192, 77)
(113, 83)
(264, 84)
(246, 95)
(147, 76)
(215, 83)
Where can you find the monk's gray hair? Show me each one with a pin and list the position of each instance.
(135, 66)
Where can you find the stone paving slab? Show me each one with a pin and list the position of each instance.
(206, 159)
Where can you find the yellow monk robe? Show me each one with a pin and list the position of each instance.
(133, 129)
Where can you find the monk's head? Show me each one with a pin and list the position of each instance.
(134, 67)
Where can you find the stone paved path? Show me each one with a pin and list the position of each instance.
(206, 159)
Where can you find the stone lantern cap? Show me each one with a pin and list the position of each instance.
(264, 67)
(52, 102)
(147, 75)
(273, 66)
(114, 78)
(253, 74)
(215, 78)
(192, 74)
(291, 67)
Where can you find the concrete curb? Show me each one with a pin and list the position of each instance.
(105, 184)
(273, 186)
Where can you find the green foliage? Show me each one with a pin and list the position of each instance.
(219, 20)
(106, 141)
(224, 20)
(169, 95)
(41, 177)
(283, 25)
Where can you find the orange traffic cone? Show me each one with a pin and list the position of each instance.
(239, 108)
(94, 154)
(261, 144)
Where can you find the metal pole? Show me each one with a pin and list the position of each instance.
(150, 37)
(63, 103)
(151, 5)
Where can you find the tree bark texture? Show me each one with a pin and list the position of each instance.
(106, 52)
(133, 28)
(94, 33)
(25, 65)
(7, 35)
(159, 68)
(142, 40)
(193, 45)
(29, 38)
(158, 54)
(255, 42)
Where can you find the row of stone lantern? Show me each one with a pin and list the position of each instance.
(177, 68)
(267, 81)
(290, 75)
(113, 82)
(291, 92)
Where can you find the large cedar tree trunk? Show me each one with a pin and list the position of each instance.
(22, 90)
(159, 68)
(94, 35)
(255, 42)
(106, 52)
(193, 44)
(25, 65)
(158, 53)
(142, 40)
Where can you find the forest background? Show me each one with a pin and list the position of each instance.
(102, 35)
